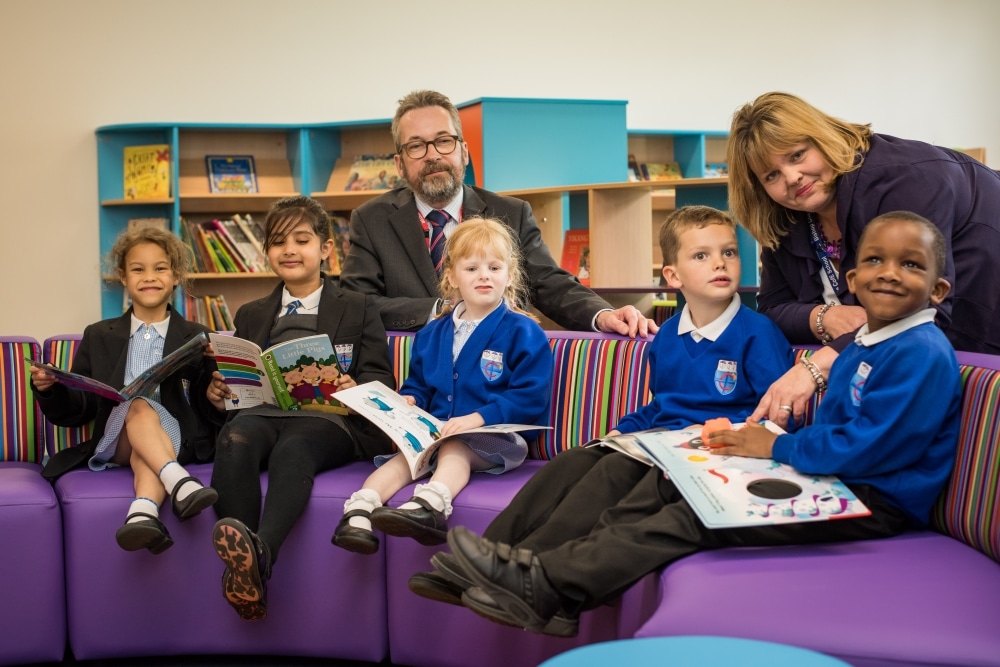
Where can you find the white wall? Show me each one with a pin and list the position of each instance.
(922, 69)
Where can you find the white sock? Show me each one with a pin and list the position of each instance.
(171, 474)
(144, 505)
(364, 499)
(435, 493)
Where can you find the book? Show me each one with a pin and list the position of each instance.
(634, 171)
(341, 239)
(298, 374)
(576, 254)
(146, 172)
(734, 491)
(716, 170)
(417, 433)
(231, 174)
(372, 172)
(144, 385)
(660, 171)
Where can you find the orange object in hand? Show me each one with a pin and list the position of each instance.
(713, 425)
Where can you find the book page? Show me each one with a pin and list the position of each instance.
(731, 491)
(240, 363)
(76, 381)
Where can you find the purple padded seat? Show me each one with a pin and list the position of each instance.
(460, 637)
(920, 598)
(32, 591)
(322, 602)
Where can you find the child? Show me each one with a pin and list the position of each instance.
(147, 434)
(482, 278)
(716, 357)
(888, 438)
(292, 445)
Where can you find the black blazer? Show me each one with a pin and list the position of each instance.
(348, 318)
(389, 260)
(102, 355)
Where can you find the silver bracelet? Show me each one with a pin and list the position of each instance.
(824, 335)
(814, 371)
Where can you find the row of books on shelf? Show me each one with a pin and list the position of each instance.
(226, 245)
(146, 172)
(211, 311)
(668, 171)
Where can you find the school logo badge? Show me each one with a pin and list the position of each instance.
(858, 382)
(491, 364)
(725, 377)
(345, 355)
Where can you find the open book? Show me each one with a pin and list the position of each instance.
(417, 433)
(298, 374)
(144, 385)
(733, 491)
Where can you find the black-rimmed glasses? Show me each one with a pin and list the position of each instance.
(444, 145)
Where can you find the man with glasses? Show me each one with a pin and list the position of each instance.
(397, 239)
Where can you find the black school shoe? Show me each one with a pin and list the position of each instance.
(248, 560)
(149, 533)
(476, 599)
(352, 538)
(194, 502)
(424, 524)
(513, 578)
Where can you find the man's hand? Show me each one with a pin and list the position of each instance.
(626, 321)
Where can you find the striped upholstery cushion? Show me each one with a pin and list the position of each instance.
(399, 354)
(20, 417)
(969, 509)
(59, 351)
(598, 380)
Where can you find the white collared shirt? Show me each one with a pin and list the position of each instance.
(310, 302)
(161, 327)
(453, 209)
(713, 329)
(894, 329)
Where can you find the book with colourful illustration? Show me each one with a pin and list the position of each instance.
(734, 491)
(372, 172)
(146, 172)
(144, 385)
(231, 174)
(417, 433)
(298, 374)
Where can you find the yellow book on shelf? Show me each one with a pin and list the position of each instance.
(147, 172)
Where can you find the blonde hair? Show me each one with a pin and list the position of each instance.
(178, 254)
(478, 236)
(773, 123)
(683, 219)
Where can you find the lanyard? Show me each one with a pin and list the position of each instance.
(821, 253)
(426, 226)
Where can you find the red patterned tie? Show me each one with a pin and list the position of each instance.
(437, 220)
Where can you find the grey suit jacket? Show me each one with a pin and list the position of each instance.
(389, 260)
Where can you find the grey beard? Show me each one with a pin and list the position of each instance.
(440, 191)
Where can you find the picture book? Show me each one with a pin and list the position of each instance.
(144, 385)
(298, 374)
(660, 171)
(634, 171)
(733, 491)
(231, 174)
(576, 254)
(417, 433)
(147, 172)
(373, 172)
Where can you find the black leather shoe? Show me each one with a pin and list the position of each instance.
(249, 561)
(513, 578)
(435, 586)
(194, 502)
(353, 538)
(424, 524)
(561, 625)
(149, 533)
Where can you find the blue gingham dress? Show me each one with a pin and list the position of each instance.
(145, 348)
(505, 450)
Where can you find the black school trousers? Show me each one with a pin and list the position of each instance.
(599, 521)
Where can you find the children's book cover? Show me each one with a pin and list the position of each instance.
(733, 491)
(417, 433)
(147, 172)
(144, 385)
(231, 174)
(576, 254)
(373, 172)
(661, 171)
(298, 374)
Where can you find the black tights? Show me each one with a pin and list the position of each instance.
(293, 450)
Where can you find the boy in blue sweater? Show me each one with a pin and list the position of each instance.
(715, 358)
(879, 429)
